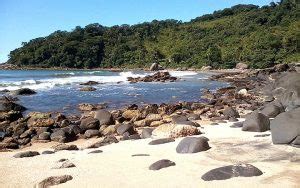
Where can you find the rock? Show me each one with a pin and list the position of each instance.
(193, 117)
(130, 137)
(206, 68)
(140, 123)
(130, 114)
(146, 133)
(227, 172)
(24, 91)
(140, 155)
(89, 83)
(66, 164)
(241, 66)
(296, 142)
(74, 130)
(232, 119)
(109, 130)
(26, 154)
(104, 117)
(86, 107)
(38, 119)
(61, 147)
(91, 133)
(47, 152)
(156, 123)
(89, 123)
(272, 110)
(164, 163)
(161, 141)
(256, 122)
(7, 105)
(54, 180)
(237, 125)
(243, 92)
(59, 136)
(286, 127)
(125, 128)
(178, 118)
(174, 131)
(95, 151)
(2, 135)
(64, 123)
(27, 134)
(62, 160)
(88, 89)
(281, 67)
(10, 116)
(105, 141)
(152, 117)
(192, 145)
(154, 67)
(230, 112)
(262, 135)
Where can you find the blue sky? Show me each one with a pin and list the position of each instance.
(22, 20)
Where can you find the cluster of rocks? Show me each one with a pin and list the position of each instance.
(156, 77)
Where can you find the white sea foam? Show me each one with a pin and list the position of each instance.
(183, 73)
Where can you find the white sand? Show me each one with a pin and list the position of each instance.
(115, 167)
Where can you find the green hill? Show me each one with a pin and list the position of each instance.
(258, 36)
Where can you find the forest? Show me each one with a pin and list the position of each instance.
(258, 36)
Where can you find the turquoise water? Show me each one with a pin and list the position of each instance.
(59, 90)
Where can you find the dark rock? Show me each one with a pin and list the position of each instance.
(127, 136)
(46, 136)
(272, 110)
(96, 151)
(23, 141)
(10, 145)
(286, 127)
(164, 163)
(256, 122)
(89, 83)
(140, 155)
(10, 116)
(62, 160)
(27, 134)
(227, 172)
(125, 128)
(106, 141)
(59, 136)
(61, 147)
(104, 117)
(179, 118)
(89, 123)
(47, 152)
(54, 180)
(146, 133)
(2, 135)
(26, 154)
(74, 130)
(7, 105)
(161, 141)
(24, 91)
(91, 133)
(230, 112)
(66, 164)
(192, 145)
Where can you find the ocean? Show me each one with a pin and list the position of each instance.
(58, 91)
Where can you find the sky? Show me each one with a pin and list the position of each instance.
(23, 20)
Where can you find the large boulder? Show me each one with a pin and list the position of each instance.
(271, 110)
(230, 112)
(192, 145)
(172, 130)
(89, 123)
(38, 119)
(256, 122)
(59, 136)
(24, 91)
(125, 128)
(104, 117)
(286, 127)
(231, 171)
(91, 133)
(7, 105)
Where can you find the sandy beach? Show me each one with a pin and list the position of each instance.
(116, 167)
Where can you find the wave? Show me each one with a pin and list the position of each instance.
(49, 83)
(183, 73)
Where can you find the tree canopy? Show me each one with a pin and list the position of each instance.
(258, 36)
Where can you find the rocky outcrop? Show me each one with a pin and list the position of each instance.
(156, 77)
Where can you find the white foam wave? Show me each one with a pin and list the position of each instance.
(183, 73)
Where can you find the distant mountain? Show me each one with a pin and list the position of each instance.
(258, 36)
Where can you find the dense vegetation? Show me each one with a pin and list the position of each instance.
(258, 36)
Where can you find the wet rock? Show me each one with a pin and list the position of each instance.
(47, 152)
(164, 163)
(26, 154)
(87, 89)
(174, 131)
(146, 133)
(192, 145)
(161, 141)
(24, 91)
(89, 123)
(6, 105)
(286, 127)
(95, 151)
(61, 147)
(90, 83)
(125, 128)
(91, 133)
(231, 171)
(256, 122)
(54, 180)
(104, 117)
(105, 141)
(231, 112)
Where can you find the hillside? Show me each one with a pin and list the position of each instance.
(258, 36)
